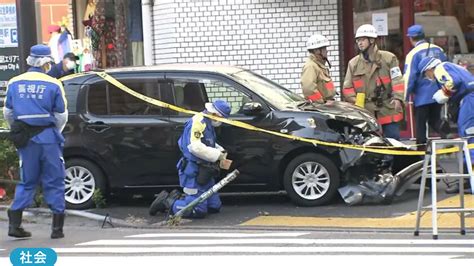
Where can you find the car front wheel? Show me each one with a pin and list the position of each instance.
(82, 179)
(311, 179)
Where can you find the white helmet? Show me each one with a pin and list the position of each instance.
(316, 41)
(366, 30)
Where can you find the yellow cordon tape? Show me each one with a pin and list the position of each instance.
(379, 150)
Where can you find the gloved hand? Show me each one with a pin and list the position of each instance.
(398, 105)
(222, 156)
(440, 97)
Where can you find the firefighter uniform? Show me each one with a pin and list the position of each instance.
(315, 80)
(365, 75)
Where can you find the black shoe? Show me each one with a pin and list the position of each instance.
(57, 227)
(14, 228)
(164, 201)
(155, 205)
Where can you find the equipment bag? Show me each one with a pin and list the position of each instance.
(21, 133)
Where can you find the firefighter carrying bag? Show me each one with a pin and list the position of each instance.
(21, 133)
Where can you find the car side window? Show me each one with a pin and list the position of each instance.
(190, 94)
(217, 89)
(97, 98)
(106, 99)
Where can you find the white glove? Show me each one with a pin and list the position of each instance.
(222, 156)
(440, 97)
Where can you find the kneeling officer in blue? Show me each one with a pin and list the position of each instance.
(200, 164)
(36, 112)
(456, 85)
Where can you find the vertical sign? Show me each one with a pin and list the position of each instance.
(8, 29)
(380, 22)
(9, 57)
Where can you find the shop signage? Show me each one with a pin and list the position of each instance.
(380, 22)
(8, 29)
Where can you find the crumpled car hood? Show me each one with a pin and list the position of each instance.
(346, 112)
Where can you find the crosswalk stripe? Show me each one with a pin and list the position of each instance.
(267, 249)
(302, 241)
(212, 235)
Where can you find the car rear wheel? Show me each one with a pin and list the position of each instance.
(311, 179)
(82, 179)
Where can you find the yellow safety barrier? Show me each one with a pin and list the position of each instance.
(374, 149)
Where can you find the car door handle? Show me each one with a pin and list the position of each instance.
(98, 127)
(180, 127)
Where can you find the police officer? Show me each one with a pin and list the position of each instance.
(199, 165)
(66, 67)
(374, 81)
(426, 108)
(457, 86)
(36, 100)
(315, 79)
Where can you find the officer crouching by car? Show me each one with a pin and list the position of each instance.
(200, 164)
(456, 85)
(35, 110)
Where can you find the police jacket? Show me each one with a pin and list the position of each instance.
(38, 100)
(455, 80)
(381, 70)
(57, 71)
(415, 83)
(316, 82)
(198, 141)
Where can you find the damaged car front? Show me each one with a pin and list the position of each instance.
(333, 122)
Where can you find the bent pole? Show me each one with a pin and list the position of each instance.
(204, 196)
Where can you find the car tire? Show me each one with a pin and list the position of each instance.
(82, 179)
(311, 179)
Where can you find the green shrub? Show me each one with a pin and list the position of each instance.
(99, 199)
(8, 161)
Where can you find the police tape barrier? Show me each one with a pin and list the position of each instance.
(373, 149)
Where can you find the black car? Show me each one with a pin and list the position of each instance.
(118, 143)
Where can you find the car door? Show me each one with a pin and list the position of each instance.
(193, 90)
(132, 137)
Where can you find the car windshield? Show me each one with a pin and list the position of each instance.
(272, 92)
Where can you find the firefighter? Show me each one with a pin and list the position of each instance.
(456, 85)
(422, 90)
(198, 167)
(35, 110)
(315, 79)
(374, 81)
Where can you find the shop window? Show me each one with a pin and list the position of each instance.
(450, 25)
(109, 33)
(364, 12)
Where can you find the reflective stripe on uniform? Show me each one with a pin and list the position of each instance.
(33, 116)
(398, 87)
(316, 96)
(348, 91)
(358, 83)
(385, 80)
(390, 118)
(329, 86)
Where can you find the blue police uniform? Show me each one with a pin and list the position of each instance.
(199, 147)
(422, 89)
(460, 83)
(199, 128)
(57, 71)
(34, 98)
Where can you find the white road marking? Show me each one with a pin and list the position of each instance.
(267, 249)
(218, 235)
(301, 241)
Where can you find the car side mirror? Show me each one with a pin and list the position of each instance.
(252, 108)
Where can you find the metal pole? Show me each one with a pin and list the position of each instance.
(25, 17)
